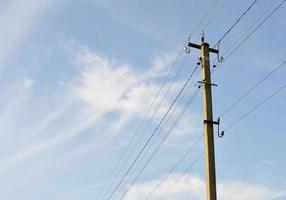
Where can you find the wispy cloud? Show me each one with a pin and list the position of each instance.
(104, 92)
(16, 20)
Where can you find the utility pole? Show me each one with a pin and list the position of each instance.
(208, 116)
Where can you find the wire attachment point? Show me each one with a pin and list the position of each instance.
(219, 58)
(220, 134)
(208, 84)
(187, 47)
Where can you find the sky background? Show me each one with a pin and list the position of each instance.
(76, 80)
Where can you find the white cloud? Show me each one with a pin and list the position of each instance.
(106, 86)
(193, 187)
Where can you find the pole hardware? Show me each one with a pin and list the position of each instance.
(187, 47)
(204, 83)
(199, 61)
(219, 58)
(219, 134)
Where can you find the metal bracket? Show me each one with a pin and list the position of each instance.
(211, 122)
(220, 134)
(204, 83)
(187, 47)
(219, 58)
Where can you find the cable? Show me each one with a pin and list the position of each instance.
(182, 175)
(255, 107)
(237, 21)
(195, 74)
(213, 17)
(215, 14)
(170, 115)
(150, 120)
(152, 117)
(174, 167)
(265, 19)
(251, 33)
(191, 99)
(140, 125)
(154, 132)
(162, 141)
(252, 88)
(205, 16)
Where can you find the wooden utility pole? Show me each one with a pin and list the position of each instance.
(208, 117)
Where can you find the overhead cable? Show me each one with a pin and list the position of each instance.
(252, 88)
(236, 22)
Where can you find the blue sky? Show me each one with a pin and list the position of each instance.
(78, 76)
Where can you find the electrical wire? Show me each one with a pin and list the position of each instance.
(254, 108)
(182, 175)
(152, 135)
(191, 99)
(213, 17)
(113, 172)
(162, 141)
(149, 121)
(175, 167)
(153, 116)
(195, 75)
(252, 89)
(205, 16)
(215, 14)
(170, 115)
(168, 121)
(251, 33)
(236, 22)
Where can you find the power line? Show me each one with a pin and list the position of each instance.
(162, 141)
(182, 175)
(175, 167)
(152, 135)
(150, 119)
(169, 118)
(215, 14)
(255, 107)
(252, 88)
(140, 125)
(252, 32)
(174, 123)
(205, 16)
(236, 22)
(173, 111)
